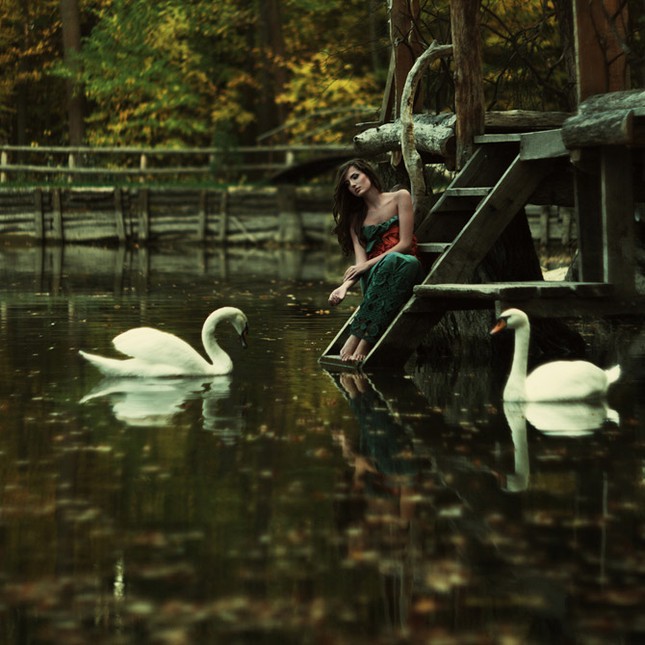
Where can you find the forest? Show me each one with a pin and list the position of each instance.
(237, 72)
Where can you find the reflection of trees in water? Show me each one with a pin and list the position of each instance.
(54, 269)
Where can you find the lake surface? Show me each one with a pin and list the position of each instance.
(282, 503)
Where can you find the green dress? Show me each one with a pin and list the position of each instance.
(387, 286)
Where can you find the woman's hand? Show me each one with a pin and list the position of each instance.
(355, 271)
(337, 295)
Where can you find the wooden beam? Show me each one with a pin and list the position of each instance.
(619, 246)
(588, 219)
(542, 145)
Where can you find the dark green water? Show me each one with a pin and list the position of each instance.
(283, 503)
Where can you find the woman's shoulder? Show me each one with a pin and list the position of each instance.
(399, 193)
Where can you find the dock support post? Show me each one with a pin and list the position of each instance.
(618, 233)
(587, 199)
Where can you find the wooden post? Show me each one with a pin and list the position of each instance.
(4, 161)
(57, 225)
(616, 176)
(71, 163)
(143, 164)
(144, 215)
(587, 200)
(202, 217)
(118, 215)
(289, 222)
(468, 76)
(223, 217)
(566, 213)
(545, 211)
(600, 28)
(39, 224)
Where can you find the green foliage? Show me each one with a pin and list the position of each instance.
(195, 72)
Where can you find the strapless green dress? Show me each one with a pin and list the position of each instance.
(387, 285)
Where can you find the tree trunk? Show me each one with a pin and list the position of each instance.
(273, 76)
(564, 15)
(71, 22)
(404, 16)
(469, 89)
(600, 30)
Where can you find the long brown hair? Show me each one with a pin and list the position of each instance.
(348, 209)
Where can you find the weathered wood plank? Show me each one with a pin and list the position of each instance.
(517, 290)
(619, 248)
(492, 216)
(588, 222)
(542, 145)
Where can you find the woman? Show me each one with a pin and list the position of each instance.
(379, 228)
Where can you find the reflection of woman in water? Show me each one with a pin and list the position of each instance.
(383, 457)
(378, 512)
(378, 227)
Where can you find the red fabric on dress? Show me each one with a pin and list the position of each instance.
(389, 239)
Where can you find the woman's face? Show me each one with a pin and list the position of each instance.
(357, 182)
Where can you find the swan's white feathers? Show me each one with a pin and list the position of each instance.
(581, 379)
(156, 353)
(554, 381)
(154, 347)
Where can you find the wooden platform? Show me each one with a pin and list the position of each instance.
(467, 220)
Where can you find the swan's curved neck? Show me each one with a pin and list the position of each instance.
(515, 389)
(215, 352)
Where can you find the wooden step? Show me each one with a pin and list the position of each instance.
(468, 191)
(511, 290)
(433, 247)
(460, 198)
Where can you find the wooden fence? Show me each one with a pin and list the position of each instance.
(141, 215)
(65, 194)
(114, 165)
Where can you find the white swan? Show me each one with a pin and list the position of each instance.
(157, 353)
(555, 381)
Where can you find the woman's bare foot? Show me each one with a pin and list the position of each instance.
(361, 352)
(349, 348)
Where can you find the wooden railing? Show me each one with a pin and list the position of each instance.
(103, 165)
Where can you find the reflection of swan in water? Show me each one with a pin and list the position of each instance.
(154, 402)
(569, 419)
(557, 419)
(157, 353)
(518, 480)
(554, 381)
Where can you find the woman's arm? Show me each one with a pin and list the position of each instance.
(403, 204)
(360, 257)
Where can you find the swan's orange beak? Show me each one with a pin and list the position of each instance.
(500, 326)
(243, 335)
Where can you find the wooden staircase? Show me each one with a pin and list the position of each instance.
(459, 231)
